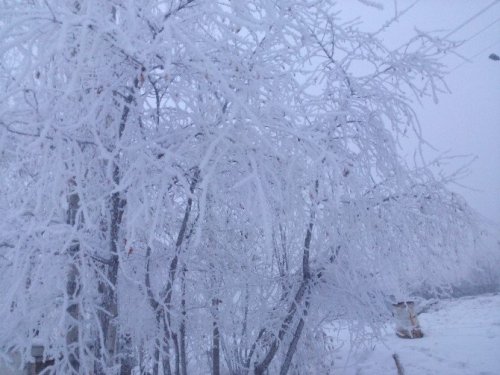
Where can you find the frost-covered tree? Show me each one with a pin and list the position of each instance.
(192, 186)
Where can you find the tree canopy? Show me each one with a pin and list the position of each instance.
(193, 186)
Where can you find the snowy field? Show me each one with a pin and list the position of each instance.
(462, 336)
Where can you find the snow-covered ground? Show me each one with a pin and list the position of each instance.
(462, 336)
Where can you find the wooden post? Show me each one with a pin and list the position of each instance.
(407, 325)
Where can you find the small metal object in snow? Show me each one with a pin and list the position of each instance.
(36, 367)
(407, 325)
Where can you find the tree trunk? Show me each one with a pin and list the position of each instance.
(156, 359)
(177, 355)
(292, 348)
(109, 287)
(128, 360)
(174, 264)
(161, 324)
(182, 330)
(72, 287)
(215, 341)
(297, 301)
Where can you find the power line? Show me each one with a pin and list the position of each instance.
(468, 59)
(466, 22)
(475, 55)
(472, 18)
(456, 29)
(481, 31)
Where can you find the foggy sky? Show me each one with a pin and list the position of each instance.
(467, 121)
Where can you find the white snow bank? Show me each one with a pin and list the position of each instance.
(462, 336)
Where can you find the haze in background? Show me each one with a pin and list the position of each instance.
(467, 121)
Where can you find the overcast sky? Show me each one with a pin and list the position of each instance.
(467, 121)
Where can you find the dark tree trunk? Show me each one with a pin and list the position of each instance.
(300, 295)
(161, 345)
(215, 350)
(177, 354)
(128, 360)
(72, 287)
(182, 330)
(215, 341)
(174, 265)
(292, 348)
(163, 310)
(108, 288)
